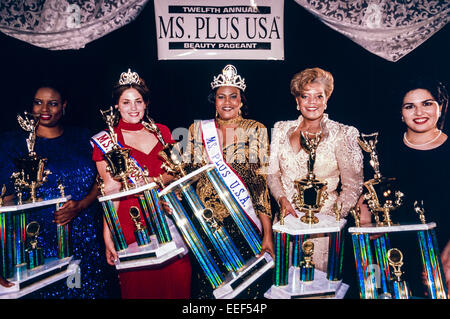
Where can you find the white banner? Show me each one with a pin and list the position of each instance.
(217, 29)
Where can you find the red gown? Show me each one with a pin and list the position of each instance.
(171, 280)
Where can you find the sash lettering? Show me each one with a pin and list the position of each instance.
(231, 179)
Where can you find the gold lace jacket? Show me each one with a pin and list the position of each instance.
(339, 159)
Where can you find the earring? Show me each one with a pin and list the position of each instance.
(403, 119)
(217, 115)
(64, 111)
(325, 107)
(240, 112)
(298, 107)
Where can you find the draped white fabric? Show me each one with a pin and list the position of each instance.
(388, 28)
(62, 24)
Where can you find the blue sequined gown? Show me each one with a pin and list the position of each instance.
(69, 159)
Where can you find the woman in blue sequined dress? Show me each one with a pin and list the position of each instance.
(69, 159)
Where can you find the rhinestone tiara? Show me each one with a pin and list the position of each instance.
(129, 78)
(229, 77)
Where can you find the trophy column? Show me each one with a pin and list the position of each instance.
(335, 256)
(235, 210)
(281, 258)
(217, 234)
(431, 260)
(112, 220)
(364, 266)
(296, 277)
(193, 239)
(20, 237)
(6, 247)
(154, 215)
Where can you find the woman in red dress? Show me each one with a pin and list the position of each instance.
(172, 280)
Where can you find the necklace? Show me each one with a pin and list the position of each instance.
(235, 120)
(429, 142)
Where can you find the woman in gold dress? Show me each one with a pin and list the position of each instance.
(244, 147)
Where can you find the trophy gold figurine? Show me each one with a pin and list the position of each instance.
(337, 209)
(172, 160)
(311, 192)
(382, 196)
(418, 208)
(30, 172)
(141, 233)
(399, 286)
(33, 253)
(307, 265)
(356, 213)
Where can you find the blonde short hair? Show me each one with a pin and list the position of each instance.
(313, 75)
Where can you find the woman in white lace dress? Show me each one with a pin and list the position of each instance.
(339, 160)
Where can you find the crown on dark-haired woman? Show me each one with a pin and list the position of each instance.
(229, 77)
(129, 78)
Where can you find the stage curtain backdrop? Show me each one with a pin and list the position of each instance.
(388, 28)
(64, 25)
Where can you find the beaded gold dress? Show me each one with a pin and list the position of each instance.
(248, 157)
(339, 162)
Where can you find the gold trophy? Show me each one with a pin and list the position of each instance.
(118, 159)
(30, 172)
(311, 192)
(356, 213)
(399, 286)
(173, 163)
(382, 196)
(141, 233)
(307, 265)
(33, 254)
(170, 154)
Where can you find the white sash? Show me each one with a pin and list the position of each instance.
(105, 144)
(231, 179)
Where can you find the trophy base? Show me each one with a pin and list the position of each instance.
(14, 207)
(149, 255)
(27, 281)
(293, 226)
(373, 229)
(131, 191)
(235, 283)
(319, 288)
